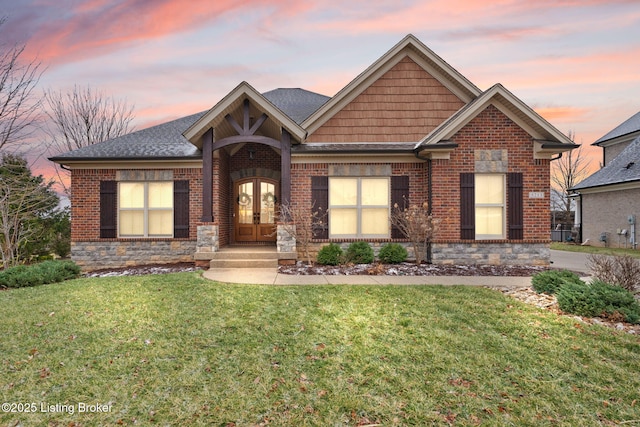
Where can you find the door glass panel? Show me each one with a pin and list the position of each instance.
(245, 203)
(267, 203)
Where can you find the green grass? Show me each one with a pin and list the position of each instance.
(180, 350)
(595, 249)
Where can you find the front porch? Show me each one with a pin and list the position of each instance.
(243, 256)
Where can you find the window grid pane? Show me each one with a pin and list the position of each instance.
(359, 207)
(145, 209)
(490, 202)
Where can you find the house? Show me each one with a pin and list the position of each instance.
(609, 200)
(408, 128)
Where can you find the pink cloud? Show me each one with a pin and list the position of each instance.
(97, 27)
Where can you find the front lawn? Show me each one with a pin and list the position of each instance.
(180, 350)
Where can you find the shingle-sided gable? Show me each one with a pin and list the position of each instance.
(403, 105)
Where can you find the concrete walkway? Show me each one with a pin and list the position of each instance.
(269, 276)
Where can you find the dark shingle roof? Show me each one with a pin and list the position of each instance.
(165, 141)
(296, 103)
(632, 124)
(624, 168)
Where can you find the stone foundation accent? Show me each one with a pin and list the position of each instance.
(479, 253)
(285, 242)
(124, 253)
(208, 239)
(285, 246)
(476, 253)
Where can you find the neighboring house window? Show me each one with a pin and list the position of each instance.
(145, 209)
(489, 206)
(359, 207)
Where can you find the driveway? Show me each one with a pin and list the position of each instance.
(574, 261)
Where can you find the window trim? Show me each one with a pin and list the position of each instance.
(502, 205)
(359, 208)
(146, 209)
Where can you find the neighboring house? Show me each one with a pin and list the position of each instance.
(609, 200)
(408, 128)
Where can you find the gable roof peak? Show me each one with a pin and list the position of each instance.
(409, 46)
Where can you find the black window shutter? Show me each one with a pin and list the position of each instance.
(320, 200)
(108, 209)
(467, 206)
(515, 206)
(181, 209)
(399, 197)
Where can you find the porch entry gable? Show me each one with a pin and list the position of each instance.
(248, 130)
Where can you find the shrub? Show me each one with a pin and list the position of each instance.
(38, 274)
(360, 253)
(330, 254)
(598, 299)
(549, 282)
(621, 270)
(392, 253)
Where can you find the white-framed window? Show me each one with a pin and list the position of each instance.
(490, 196)
(145, 209)
(359, 207)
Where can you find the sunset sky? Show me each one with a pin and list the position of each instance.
(576, 62)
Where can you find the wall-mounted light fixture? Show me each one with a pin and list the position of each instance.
(252, 153)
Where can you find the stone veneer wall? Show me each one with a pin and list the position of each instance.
(477, 253)
(500, 253)
(123, 253)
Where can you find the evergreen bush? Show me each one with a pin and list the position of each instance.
(330, 254)
(598, 299)
(360, 253)
(549, 282)
(38, 274)
(392, 253)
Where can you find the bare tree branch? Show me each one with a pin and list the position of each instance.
(18, 106)
(418, 225)
(567, 172)
(84, 117)
(302, 223)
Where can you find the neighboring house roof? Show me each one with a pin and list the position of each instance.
(624, 168)
(161, 142)
(631, 125)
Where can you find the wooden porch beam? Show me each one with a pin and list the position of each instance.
(234, 124)
(207, 176)
(285, 167)
(257, 124)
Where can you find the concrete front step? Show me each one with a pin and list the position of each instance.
(244, 257)
(244, 263)
(231, 255)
